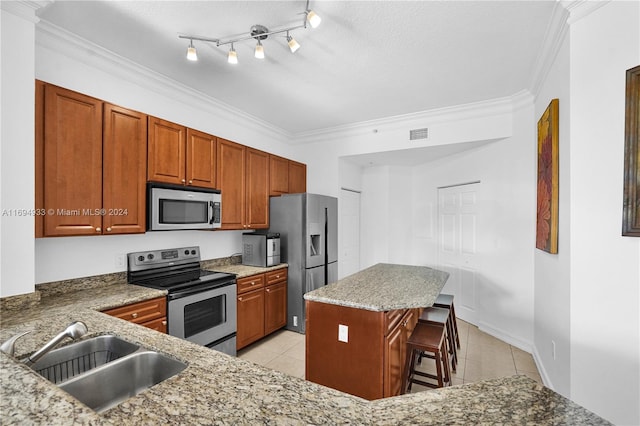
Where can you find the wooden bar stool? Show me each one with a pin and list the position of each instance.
(446, 301)
(442, 316)
(428, 338)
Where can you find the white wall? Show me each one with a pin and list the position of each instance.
(605, 272)
(17, 149)
(506, 224)
(552, 296)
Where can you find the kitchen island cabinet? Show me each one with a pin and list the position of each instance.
(357, 328)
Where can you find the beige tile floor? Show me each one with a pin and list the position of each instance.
(480, 356)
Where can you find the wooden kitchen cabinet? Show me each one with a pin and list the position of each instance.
(286, 176)
(250, 310)
(262, 306)
(243, 178)
(370, 363)
(297, 177)
(150, 313)
(90, 159)
(275, 301)
(179, 155)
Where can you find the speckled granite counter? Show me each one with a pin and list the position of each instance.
(241, 271)
(219, 389)
(384, 287)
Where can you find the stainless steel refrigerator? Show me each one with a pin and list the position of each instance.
(308, 227)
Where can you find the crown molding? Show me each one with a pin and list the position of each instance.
(557, 30)
(24, 9)
(582, 8)
(475, 110)
(61, 41)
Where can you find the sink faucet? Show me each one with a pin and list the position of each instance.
(74, 330)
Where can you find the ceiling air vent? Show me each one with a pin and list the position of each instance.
(418, 134)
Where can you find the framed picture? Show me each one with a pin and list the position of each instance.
(631, 198)
(547, 208)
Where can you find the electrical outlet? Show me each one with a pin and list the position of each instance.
(553, 349)
(343, 333)
(295, 321)
(120, 261)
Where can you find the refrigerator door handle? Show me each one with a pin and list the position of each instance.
(309, 285)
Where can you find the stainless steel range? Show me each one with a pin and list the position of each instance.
(201, 304)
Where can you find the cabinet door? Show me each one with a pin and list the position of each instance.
(250, 317)
(275, 307)
(297, 177)
(230, 177)
(394, 360)
(166, 151)
(278, 175)
(125, 157)
(72, 163)
(39, 157)
(201, 159)
(257, 195)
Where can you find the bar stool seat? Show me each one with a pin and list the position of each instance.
(442, 316)
(427, 338)
(446, 301)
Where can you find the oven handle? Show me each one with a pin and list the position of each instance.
(198, 289)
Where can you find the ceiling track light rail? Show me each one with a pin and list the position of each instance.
(257, 32)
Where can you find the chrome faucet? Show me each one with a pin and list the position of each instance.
(74, 330)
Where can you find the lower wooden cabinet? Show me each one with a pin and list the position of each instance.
(262, 306)
(150, 313)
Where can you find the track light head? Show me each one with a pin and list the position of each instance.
(192, 54)
(293, 44)
(259, 52)
(232, 58)
(313, 18)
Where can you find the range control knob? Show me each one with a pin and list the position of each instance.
(140, 258)
(193, 252)
(150, 256)
(186, 252)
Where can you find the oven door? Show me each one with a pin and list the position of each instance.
(205, 317)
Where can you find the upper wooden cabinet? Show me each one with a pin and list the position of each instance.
(243, 178)
(124, 148)
(180, 155)
(286, 176)
(90, 161)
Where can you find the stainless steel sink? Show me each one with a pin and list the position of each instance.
(77, 358)
(112, 383)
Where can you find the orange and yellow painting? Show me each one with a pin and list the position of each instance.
(547, 217)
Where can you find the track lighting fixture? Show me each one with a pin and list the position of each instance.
(258, 33)
(192, 55)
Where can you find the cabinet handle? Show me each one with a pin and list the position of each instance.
(164, 322)
(109, 229)
(190, 182)
(240, 299)
(183, 181)
(98, 229)
(253, 283)
(134, 315)
(268, 290)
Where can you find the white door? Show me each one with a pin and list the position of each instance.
(457, 251)
(349, 224)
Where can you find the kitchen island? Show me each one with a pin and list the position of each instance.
(357, 328)
(218, 389)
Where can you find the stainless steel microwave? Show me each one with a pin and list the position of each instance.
(175, 207)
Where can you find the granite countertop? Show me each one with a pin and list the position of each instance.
(242, 271)
(218, 389)
(384, 287)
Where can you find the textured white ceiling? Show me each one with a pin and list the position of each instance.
(367, 60)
